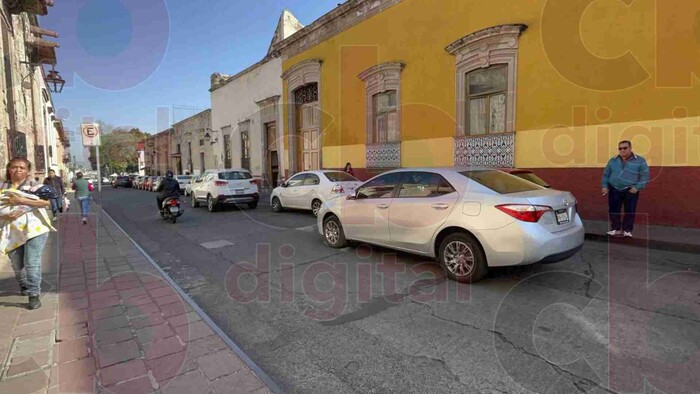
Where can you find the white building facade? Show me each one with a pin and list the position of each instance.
(246, 114)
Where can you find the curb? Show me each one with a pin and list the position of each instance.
(646, 243)
(271, 385)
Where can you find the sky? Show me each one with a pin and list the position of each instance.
(147, 64)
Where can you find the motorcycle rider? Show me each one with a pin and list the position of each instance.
(168, 187)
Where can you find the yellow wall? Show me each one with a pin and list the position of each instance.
(620, 72)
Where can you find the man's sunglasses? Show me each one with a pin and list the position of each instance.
(623, 148)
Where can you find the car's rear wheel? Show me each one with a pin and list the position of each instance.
(315, 206)
(195, 203)
(211, 205)
(333, 233)
(462, 258)
(173, 218)
(276, 205)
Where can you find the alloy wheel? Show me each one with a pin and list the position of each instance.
(332, 232)
(459, 258)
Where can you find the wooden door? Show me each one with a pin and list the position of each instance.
(308, 143)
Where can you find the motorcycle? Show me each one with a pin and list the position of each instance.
(171, 209)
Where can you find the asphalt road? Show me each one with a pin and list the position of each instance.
(364, 319)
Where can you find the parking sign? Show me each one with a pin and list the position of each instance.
(91, 134)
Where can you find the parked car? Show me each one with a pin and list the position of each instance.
(183, 180)
(122, 181)
(137, 182)
(309, 190)
(528, 176)
(225, 187)
(148, 183)
(188, 187)
(468, 218)
(156, 182)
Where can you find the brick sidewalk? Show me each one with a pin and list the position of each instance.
(113, 325)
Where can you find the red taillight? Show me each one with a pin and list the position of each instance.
(338, 189)
(174, 203)
(253, 182)
(220, 183)
(523, 212)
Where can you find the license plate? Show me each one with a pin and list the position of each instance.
(174, 209)
(562, 216)
(239, 191)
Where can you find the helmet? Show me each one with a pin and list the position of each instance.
(169, 174)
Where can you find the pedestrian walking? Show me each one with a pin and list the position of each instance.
(348, 169)
(623, 178)
(25, 228)
(56, 183)
(82, 193)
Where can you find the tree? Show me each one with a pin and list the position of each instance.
(118, 149)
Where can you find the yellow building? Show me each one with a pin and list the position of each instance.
(549, 85)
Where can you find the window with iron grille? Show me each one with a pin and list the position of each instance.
(245, 150)
(227, 151)
(306, 94)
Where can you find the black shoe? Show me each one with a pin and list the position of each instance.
(34, 302)
(23, 291)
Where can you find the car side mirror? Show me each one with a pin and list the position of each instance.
(284, 184)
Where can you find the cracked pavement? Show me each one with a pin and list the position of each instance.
(366, 319)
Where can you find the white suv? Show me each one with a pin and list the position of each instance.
(220, 187)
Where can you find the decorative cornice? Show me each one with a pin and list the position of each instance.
(315, 63)
(513, 29)
(341, 18)
(268, 101)
(380, 68)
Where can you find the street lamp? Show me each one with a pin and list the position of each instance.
(54, 78)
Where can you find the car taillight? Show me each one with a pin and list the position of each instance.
(253, 181)
(220, 183)
(173, 203)
(524, 212)
(338, 189)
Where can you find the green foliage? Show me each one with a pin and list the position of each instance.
(118, 149)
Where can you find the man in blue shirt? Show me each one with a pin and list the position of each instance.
(624, 176)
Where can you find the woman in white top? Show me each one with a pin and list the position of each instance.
(31, 229)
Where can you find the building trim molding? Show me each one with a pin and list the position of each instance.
(482, 49)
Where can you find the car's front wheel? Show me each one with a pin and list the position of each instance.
(462, 258)
(194, 202)
(333, 233)
(316, 206)
(276, 205)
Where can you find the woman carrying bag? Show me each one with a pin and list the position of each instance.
(25, 227)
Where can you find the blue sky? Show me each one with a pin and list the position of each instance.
(125, 59)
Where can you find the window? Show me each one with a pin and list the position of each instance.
(500, 182)
(311, 180)
(529, 176)
(380, 187)
(486, 74)
(245, 150)
(383, 106)
(385, 112)
(234, 175)
(340, 177)
(201, 142)
(296, 180)
(486, 100)
(424, 184)
(227, 151)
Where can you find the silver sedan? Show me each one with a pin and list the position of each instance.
(468, 218)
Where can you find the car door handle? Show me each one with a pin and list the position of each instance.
(440, 206)
(382, 206)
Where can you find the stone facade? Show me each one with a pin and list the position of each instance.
(191, 151)
(28, 125)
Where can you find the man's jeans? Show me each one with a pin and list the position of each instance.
(26, 262)
(56, 205)
(616, 200)
(84, 205)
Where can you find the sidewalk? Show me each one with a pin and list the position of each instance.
(111, 323)
(675, 239)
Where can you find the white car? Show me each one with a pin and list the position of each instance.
(311, 189)
(188, 187)
(468, 218)
(222, 187)
(183, 180)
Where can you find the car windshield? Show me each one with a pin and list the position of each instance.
(184, 177)
(500, 182)
(234, 175)
(529, 176)
(340, 177)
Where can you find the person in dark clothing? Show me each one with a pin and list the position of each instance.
(348, 169)
(57, 184)
(169, 187)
